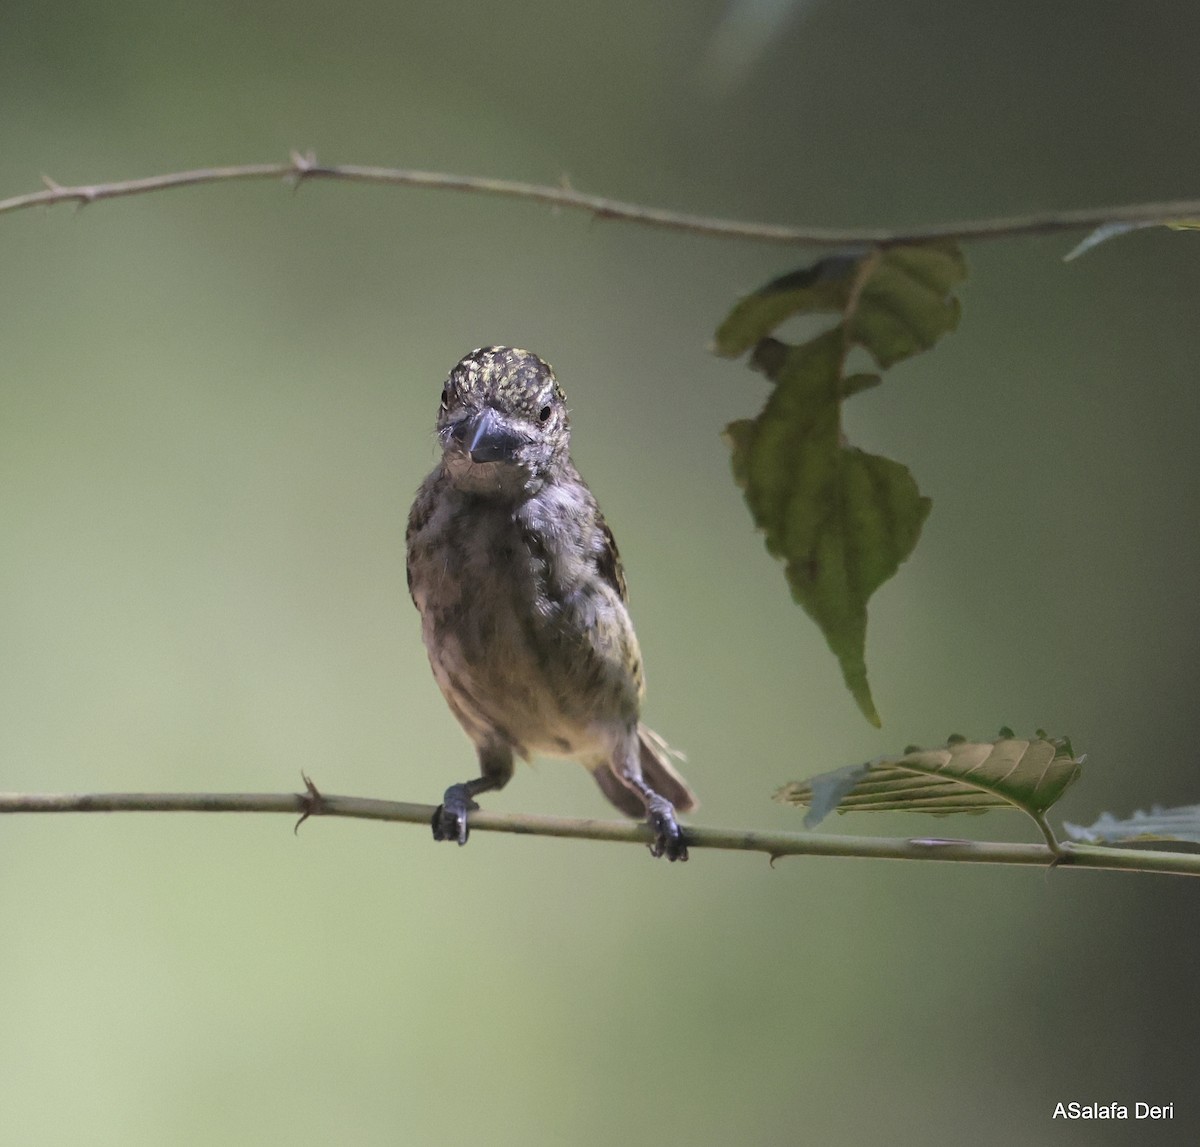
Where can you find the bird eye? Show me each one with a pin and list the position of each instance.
(544, 414)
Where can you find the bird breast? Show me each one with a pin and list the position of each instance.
(526, 641)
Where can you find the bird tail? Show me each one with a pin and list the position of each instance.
(654, 756)
(661, 774)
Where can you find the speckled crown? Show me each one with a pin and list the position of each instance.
(519, 378)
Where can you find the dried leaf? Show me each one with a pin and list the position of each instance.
(961, 776)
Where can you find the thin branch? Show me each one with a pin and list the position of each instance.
(774, 844)
(303, 167)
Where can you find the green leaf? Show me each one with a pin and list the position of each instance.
(1180, 823)
(823, 287)
(841, 520)
(903, 305)
(963, 776)
(906, 305)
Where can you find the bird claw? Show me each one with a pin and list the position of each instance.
(450, 817)
(668, 836)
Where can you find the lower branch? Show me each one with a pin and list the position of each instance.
(774, 844)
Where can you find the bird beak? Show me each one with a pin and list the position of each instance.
(487, 438)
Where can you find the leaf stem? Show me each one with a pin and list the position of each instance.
(1039, 818)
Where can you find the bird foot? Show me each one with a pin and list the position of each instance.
(668, 836)
(450, 817)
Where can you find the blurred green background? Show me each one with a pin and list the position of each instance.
(215, 407)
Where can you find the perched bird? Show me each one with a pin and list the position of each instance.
(522, 600)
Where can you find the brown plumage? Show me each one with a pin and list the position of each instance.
(523, 600)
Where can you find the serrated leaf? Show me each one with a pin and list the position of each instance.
(1181, 823)
(966, 776)
(906, 305)
(821, 288)
(841, 520)
(903, 304)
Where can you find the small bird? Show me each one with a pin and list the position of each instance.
(522, 600)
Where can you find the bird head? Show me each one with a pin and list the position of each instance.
(502, 421)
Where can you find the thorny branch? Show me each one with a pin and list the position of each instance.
(312, 804)
(303, 167)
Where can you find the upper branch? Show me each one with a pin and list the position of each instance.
(302, 167)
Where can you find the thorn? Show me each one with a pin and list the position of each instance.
(774, 856)
(565, 184)
(302, 165)
(51, 185)
(1055, 861)
(311, 802)
(83, 196)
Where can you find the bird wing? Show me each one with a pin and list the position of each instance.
(608, 566)
(418, 518)
(608, 561)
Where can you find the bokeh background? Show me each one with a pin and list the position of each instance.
(215, 405)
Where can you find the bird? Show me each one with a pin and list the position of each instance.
(523, 601)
